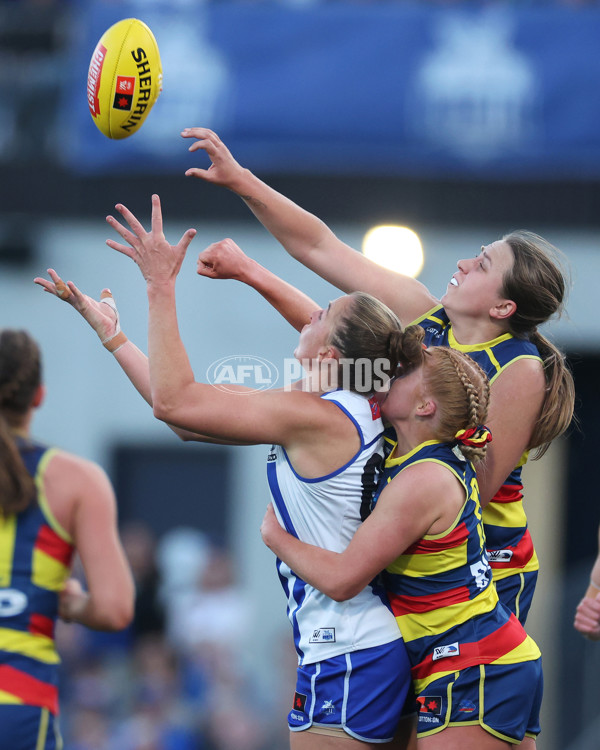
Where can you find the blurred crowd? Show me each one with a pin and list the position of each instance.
(178, 678)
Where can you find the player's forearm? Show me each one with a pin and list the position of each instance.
(321, 568)
(300, 232)
(295, 306)
(170, 371)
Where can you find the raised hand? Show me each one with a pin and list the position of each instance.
(101, 315)
(224, 260)
(158, 261)
(224, 169)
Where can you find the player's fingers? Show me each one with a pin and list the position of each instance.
(133, 222)
(186, 238)
(157, 222)
(204, 270)
(203, 174)
(48, 286)
(78, 295)
(128, 251)
(54, 276)
(127, 235)
(198, 133)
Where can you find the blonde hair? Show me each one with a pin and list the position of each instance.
(456, 382)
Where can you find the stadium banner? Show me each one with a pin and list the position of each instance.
(389, 88)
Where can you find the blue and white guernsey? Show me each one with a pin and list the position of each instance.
(326, 511)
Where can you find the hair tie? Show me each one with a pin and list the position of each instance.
(476, 437)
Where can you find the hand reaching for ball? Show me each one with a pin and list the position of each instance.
(101, 315)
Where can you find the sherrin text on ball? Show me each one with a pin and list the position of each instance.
(124, 78)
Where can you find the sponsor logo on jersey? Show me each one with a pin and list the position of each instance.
(443, 652)
(323, 635)
(499, 555)
(299, 704)
(482, 573)
(272, 454)
(430, 704)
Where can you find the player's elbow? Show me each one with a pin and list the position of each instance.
(342, 590)
(162, 409)
(117, 614)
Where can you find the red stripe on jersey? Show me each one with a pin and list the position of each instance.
(31, 691)
(485, 651)
(404, 605)
(427, 546)
(41, 625)
(508, 493)
(521, 554)
(51, 544)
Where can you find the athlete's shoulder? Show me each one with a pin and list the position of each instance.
(71, 475)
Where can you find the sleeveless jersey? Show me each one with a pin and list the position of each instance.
(35, 560)
(326, 512)
(441, 591)
(509, 544)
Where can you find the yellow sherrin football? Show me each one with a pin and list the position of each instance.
(124, 78)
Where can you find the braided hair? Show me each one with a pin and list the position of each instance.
(458, 385)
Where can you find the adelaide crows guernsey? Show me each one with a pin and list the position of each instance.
(35, 559)
(326, 512)
(440, 588)
(508, 541)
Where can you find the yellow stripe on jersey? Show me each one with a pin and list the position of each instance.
(486, 346)
(10, 698)
(43, 500)
(38, 647)
(47, 572)
(511, 515)
(429, 563)
(8, 530)
(525, 651)
(413, 626)
(429, 315)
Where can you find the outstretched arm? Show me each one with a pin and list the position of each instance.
(587, 614)
(290, 418)
(305, 237)
(225, 260)
(103, 317)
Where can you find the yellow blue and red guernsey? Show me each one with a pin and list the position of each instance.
(35, 560)
(440, 589)
(509, 544)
